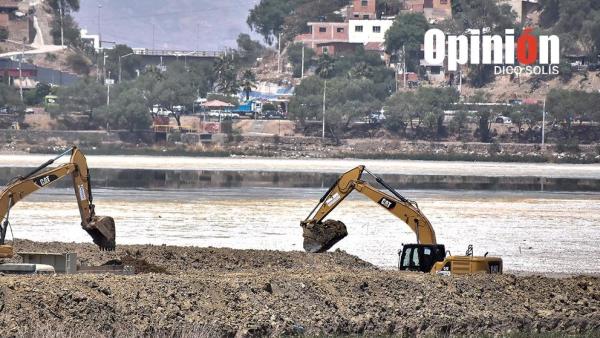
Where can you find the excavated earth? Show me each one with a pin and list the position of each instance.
(206, 292)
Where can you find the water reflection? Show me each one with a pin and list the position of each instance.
(202, 179)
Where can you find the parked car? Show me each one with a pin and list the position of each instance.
(273, 115)
(218, 114)
(503, 119)
(157, 110)
(375, 117)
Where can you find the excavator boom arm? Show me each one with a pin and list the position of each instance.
(101, 229)
(319, 236)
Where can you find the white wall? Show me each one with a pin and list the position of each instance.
(367, 34)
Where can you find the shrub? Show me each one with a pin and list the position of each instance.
(3, 34)
(80, 64)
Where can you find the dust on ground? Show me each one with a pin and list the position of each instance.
(244, 293)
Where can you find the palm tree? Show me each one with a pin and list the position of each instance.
(248, 82)
(325, 66)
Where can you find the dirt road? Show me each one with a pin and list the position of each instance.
(225, 292)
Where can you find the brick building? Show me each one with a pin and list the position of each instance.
(433, 10)
(362, 10)
(326, 37)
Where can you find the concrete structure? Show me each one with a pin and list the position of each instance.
(92, 39)
(362, 10)
(63, 263)
(326, 37)
(434, 10)
(163, 58)
(367, 31)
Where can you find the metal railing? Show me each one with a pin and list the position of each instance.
(177, 53)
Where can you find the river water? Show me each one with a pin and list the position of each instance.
(538, 218)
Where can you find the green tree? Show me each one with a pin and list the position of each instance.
(67, 5)
(71, 33)
(36, 96)
(408, 32)
(248, 82)
(8, 96)
(484, 115)
(268, 16)
(249, 50)
(459, 122)
(129, 64)
(3, 33)
(79, 63)
(294, 53)
(326, 66)
(489, 15)
(398, 111)
(129, 111)
(308, 101)
(226, 72)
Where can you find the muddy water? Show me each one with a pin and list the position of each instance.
(538, 232)
(258, 203)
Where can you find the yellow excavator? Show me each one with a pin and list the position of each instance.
(101, 229)
(425, 256)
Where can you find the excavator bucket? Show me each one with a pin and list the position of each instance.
(102, 230)
(321, 236)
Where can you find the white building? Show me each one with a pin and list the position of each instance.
(94, 39)
(366, 31)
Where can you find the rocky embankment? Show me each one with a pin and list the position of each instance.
(199, 292)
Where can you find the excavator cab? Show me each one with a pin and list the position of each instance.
(420, 257)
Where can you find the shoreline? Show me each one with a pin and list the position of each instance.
(320, 165)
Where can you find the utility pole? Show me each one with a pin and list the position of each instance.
(544, 126)
(153, 37)
(324, 97)
(279, 54)
(62, 32)
(104, 56)
(108, 82)
(99, 27)
(302, 73)
(460, 81)
(404, 64)
(21, 70)
(120, 67)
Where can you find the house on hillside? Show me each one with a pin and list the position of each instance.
(15, 16)
(334, 37)
(433, 10)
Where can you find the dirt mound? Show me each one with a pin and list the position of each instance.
(189, 259)
(248, 293)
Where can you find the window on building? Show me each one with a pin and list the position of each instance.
(340, 30)
(325, 50)
(356, 16)
(366, 16)
(364, 3)
(436, 70)
(322, 29)
(376, 29)
(358, 29)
